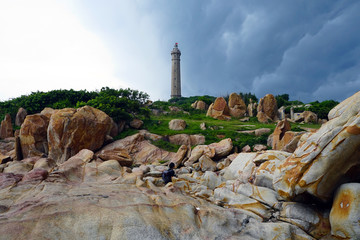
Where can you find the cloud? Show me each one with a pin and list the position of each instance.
(43, 47)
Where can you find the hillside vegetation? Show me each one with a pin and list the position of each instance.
(126, 104)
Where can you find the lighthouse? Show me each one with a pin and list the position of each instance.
(175, 72)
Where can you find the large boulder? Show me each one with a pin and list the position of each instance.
(71, 130)
(237, 107)
(33, 135)
(267, 108)
(219, 109)
(283, 138)
(177, 124)
(200, 105)
(252, 108)
(136, 123)
(222, 148)
(307, 117)
(20, 116)
(321, 162)
(345, 212)
(6, 129)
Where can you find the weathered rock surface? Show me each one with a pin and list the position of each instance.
(200, 105)
(307, 117)
(177, 124)
(345, 212)
(33, 135)
(237, 107)
(267, 109)
(219, 109)
(71, 130)
(6, 129)
(20, 116)
(319, 164)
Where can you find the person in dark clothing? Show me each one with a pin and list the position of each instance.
(168, 174)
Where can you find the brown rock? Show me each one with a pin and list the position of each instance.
(20, 116)
(71, 130)
(267, 106)
(179, 156)
(310, 117)
(33, 135)
(222, 148)
(48, 112)
(281, 128)
(6, 129)
(120, 155)
(262, 131)
(177, 124)
(200, 105)
(114, 129)
(136, 123)
(236, 105)
(263, 118)
(219, 109)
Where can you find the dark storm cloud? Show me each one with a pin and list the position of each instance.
(309, 49)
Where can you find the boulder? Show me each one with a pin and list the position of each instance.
(267, 109)
(6, 129)
(247, 148)
(207, 164)
(136, 123)
(120, 155)
(320, 163)
(219, 109)
(200, 105)
(241, 168)
(202, 126)
(222, 148)
(33, 135)
(306, 117)
(48, 112)
(345, 212)
(71, 130)
(20, 116)
(177, 124)
(179, 156)
(237, 107)
(278, 141)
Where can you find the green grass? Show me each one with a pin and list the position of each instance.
(221, 129)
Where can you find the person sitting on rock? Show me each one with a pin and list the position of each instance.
(168, 174)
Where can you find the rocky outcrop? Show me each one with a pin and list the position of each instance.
(267, 109)
(236, 105)
(200, 105)
(307, 117)
(219, 109)
(177, 124)
(136, 123)
(318, 165)
(345, 212)
(20, 116)
(283, 138)
(71, 130)
(33, 135)
(6, 129)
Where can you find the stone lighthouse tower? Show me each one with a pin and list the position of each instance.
(175, 72)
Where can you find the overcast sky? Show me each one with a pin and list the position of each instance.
(308, 49)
